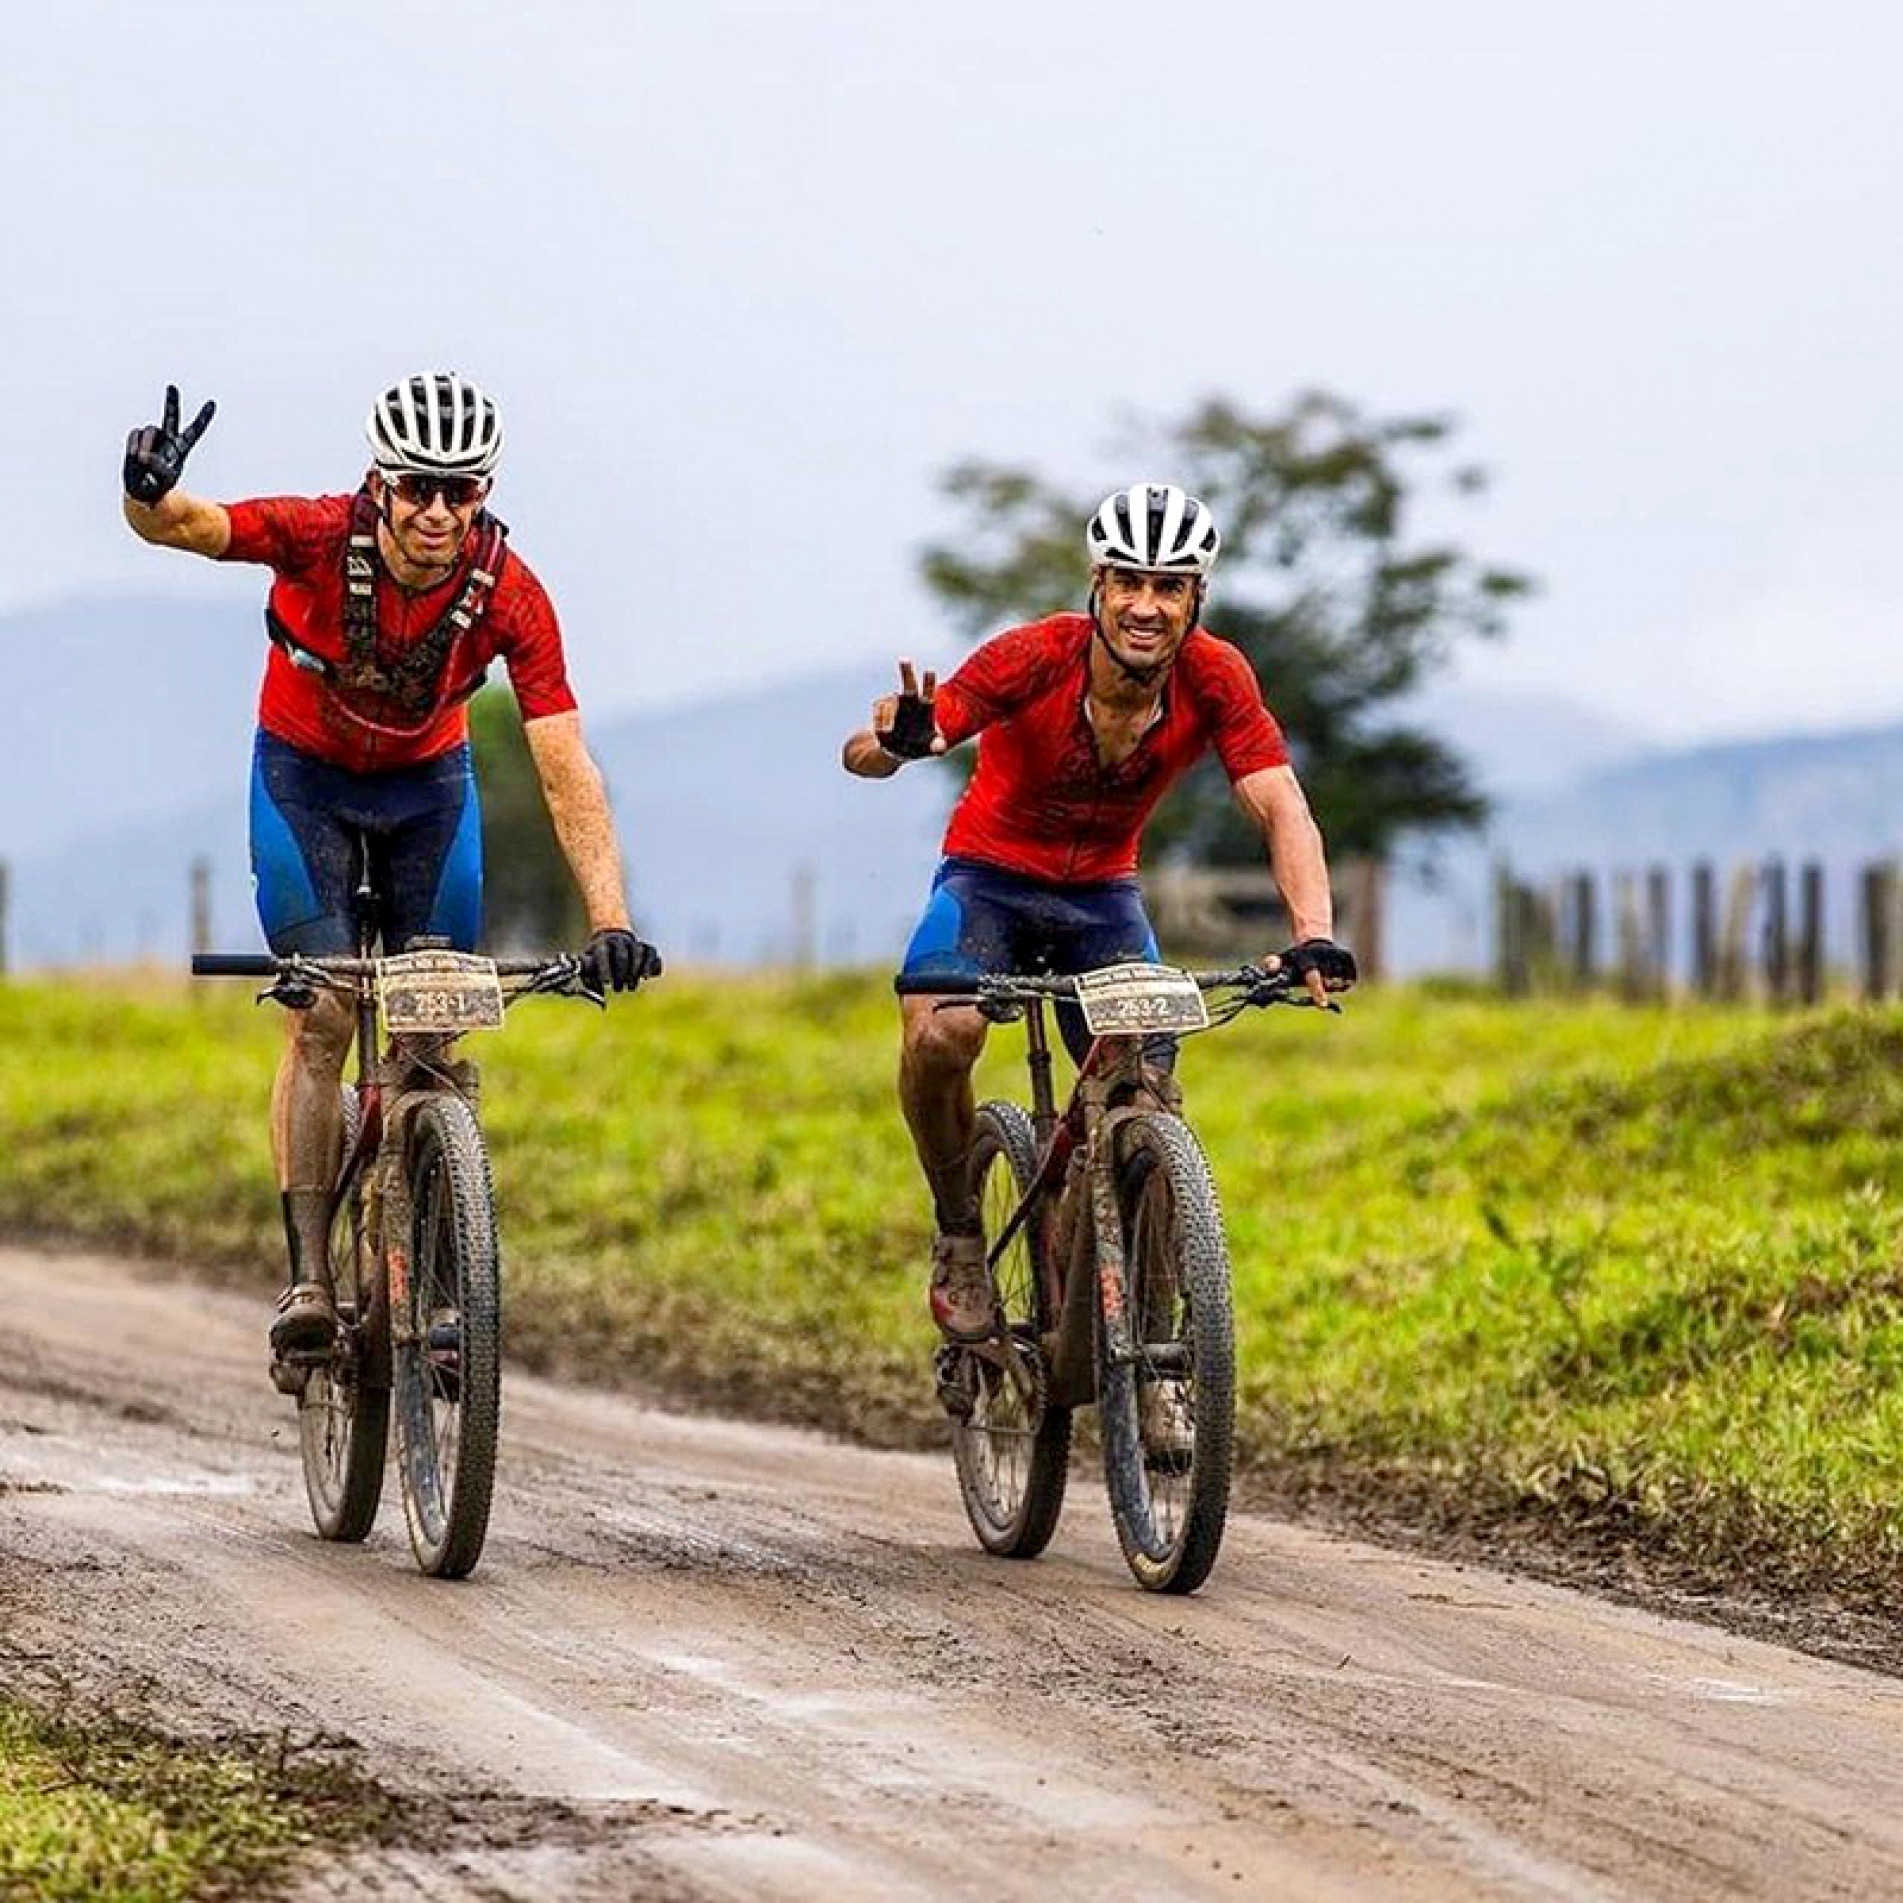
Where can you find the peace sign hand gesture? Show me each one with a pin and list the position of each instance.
(903, 723)
(156, 453)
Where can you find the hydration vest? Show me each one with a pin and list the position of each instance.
(405, 690)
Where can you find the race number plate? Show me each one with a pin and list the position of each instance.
(1128, 1000)
(441, 991)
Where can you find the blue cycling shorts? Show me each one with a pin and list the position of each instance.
(981, 918)
(423, 826)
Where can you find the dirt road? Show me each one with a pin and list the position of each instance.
(704, 1659)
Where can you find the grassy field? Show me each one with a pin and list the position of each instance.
(101, 1809)
(1634, 1265)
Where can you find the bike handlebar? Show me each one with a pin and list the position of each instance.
(1041, 985)
(263, 965)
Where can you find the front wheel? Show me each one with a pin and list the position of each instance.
(1013, 1448)
(1169, 1409)
(447, 1340)
(343, 1419)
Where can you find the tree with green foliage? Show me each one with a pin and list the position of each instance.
(530, 902)
(1340, 607)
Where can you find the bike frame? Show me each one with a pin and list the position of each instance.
(1088, 1119)
(1091, 1117)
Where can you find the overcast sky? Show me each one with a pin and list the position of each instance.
(745, 276)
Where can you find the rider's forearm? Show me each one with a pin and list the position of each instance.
(864, 756)
(177, 520)
(578, 810)
(1301, 871)
(1274, 799)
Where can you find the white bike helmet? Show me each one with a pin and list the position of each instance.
(1153, 526)
(439, 424)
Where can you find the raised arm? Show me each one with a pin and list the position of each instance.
(182, 521)
(157, 510)
(903, 728)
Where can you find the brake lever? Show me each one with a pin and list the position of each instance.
(295, 989)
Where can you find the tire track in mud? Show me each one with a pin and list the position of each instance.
(704, 1659)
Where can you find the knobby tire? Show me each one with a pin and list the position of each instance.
(343, 1425)
(1012, 1462)
(1177, 1290)
(447, 1358)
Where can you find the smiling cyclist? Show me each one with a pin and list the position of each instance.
(1083, 722)
(386, 609)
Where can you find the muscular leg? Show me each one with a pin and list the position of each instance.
(307, 1128)
(935, 1065)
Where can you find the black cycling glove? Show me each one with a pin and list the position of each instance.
(1335, 963)
(913, 728)
(156, 453)
(617, 961)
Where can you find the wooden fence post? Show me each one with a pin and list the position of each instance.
(1634, 975)
(1509, 932)
(1734, 964)
(805, 935)
(1873, 931)
(1704, 930)
(1890, 892)
(201, 905)
(1582, 931)
(1367, 905)
(1810, 933)
(1658, 929)
(1539, 910)
(1775, 942)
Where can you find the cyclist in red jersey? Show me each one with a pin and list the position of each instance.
(386, 609)
(1083, 722)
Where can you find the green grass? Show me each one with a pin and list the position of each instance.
(1572, 1257)
(100, 1809)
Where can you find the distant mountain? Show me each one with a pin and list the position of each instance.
(1523, 742)
(1830, 794)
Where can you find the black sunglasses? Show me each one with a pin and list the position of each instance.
(458, 491)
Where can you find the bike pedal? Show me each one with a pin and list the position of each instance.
(951, 1373)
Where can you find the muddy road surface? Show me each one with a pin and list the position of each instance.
(704, 1659)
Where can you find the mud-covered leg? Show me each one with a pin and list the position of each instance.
(940, 1049)
(306, 1132)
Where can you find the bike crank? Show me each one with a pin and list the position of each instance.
(964, 1370)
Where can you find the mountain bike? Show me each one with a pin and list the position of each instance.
(414, 1255)
(1111, 1271)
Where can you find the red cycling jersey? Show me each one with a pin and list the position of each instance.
(302, 540)
(1042, 803)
